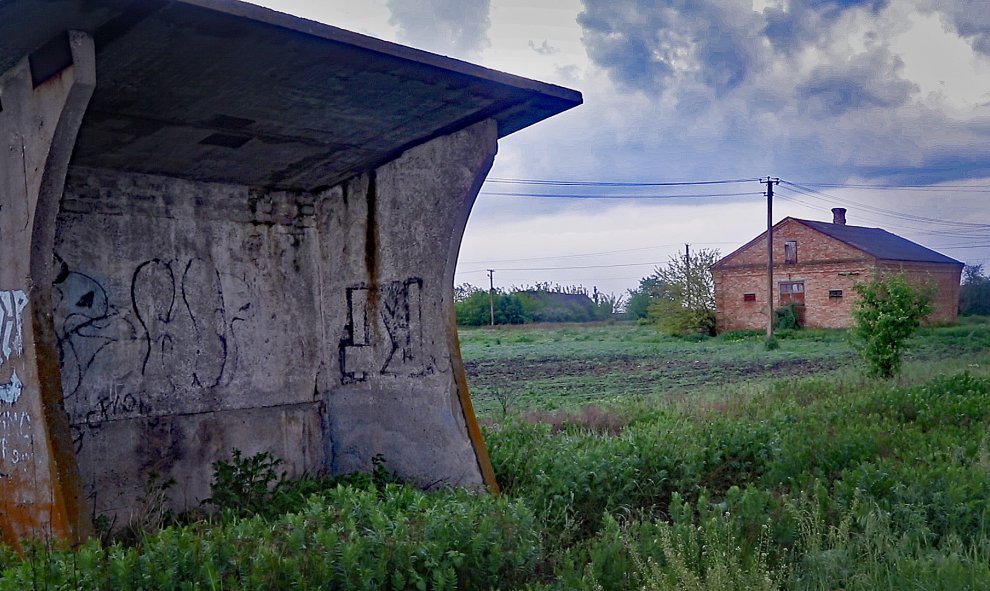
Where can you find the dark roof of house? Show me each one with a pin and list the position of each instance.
(880, 243)
(221, 90)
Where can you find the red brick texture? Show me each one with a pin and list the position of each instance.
(829, 269)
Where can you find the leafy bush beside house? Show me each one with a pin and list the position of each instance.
(974, 294)
(678, 297)
(888, 313)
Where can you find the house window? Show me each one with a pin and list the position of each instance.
(749, 297)
(788, 287)
(790, 252)
(835, 293)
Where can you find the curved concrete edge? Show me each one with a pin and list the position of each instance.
(390, 243)
(45, 96)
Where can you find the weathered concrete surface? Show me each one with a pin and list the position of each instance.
(255, 250)
(389, 243)
(44, 99)
(185, 317)
(223, 91)
(194, 318)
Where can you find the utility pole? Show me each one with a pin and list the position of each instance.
(770, 182)
(491, 295)
(687, 276)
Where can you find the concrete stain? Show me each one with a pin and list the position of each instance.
(372, 242)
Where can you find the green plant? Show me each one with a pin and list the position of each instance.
(888, 312)
(246, 486)
(787, 317)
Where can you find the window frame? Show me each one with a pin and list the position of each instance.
(790, 252)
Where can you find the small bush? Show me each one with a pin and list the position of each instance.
(787, 317)
(888, 312)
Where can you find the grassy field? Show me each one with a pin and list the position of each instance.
(564, 367)
(627, 460)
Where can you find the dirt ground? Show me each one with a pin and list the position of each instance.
(638, 373)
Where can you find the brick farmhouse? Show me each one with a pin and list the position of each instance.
(816, 265)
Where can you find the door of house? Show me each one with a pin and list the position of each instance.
(792, 292)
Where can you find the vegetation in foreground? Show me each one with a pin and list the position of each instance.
(830, 482)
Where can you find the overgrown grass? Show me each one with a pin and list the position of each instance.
(565, 367)
(834, 485)
(820, 481)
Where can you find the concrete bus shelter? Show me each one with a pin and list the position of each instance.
(223, 228)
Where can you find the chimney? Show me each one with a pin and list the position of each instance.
(839, 215)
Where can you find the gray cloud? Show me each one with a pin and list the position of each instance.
(970, 18)
(806, 21)
(648, 45)
(458, 28)
(543, 48)
(739, 93)
(866, 80)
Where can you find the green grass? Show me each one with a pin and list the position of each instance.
(631, 460)
(565, 367)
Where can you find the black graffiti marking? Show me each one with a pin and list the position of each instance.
(145, 292)
(356, 332)
(89, 325)
(177, 328)
(394, 350)
(216, 320)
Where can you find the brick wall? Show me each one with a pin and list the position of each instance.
(826, 266)
(943, 278)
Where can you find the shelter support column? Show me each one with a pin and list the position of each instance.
(42, 103)
(393, 378)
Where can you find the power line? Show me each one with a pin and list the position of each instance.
(932, 188)
(561, 183)
(816, 194)
(587, 254)
(564, 268)
(626, 197)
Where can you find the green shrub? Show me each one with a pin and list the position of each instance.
(345, 538)
(787, 317)
(673, 318)
(888, 312)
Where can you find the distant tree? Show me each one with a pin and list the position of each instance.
(608, 304)
(475, 309)
(651, 289)
(973, 274)
(974, 295)
(464, 291)
(680, 296)
(888, 312)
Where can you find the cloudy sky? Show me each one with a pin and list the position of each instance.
(882, 107)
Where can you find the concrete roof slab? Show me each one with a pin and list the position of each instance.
(219, 90)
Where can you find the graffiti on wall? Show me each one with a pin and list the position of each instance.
(16, 439)
(172, 327)
(384, 332)
(12, 304)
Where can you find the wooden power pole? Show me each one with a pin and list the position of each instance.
(491, 295)
(770, 182)
(687, 276)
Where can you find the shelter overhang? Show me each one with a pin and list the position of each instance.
(224, 91)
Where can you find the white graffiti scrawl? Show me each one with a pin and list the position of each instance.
(12, 304)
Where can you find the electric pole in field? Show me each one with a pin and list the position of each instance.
(770, 182)
(687, 276)
(491, 295)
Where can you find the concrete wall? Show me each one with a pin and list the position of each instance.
(44, 101)
(185, 321)
(193, 318)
